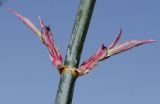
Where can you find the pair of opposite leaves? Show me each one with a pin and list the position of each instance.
(104, 52)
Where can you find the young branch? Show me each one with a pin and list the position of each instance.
(75, 46)
(79, 32)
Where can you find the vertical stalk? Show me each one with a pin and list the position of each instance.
(79, 32)
(75, 46)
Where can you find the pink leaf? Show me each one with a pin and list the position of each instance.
(92, 61)
(126, 46)
(116, 40)
(41, 22)
(45, 36)
(27, 22)
(49, 42)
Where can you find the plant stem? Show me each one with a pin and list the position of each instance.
(79, 32)
(75, 46)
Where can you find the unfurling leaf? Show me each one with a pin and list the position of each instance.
(27, 22)
(112, 49)
(45, 36)
(92, 61)
(114, 43)
(126, 46)
(55, 55)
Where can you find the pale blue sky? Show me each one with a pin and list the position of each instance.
(28, 77)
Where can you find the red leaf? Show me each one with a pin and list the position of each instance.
(116, 40)
(55, 55)
(87, 65)
(45, 36)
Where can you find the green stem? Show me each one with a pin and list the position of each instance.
(75, 46)
(79, 32)
(65, 88)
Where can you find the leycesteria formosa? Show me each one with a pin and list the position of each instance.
(104, 52)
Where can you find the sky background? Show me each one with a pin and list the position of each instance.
(28, 77)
